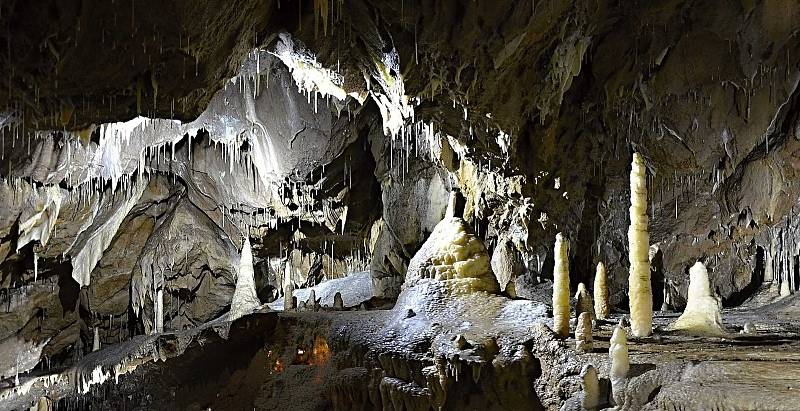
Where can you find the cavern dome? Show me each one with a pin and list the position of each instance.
(419, 205)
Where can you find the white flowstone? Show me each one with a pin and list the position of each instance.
(703, 313)
(639, 290)
(561, 287)
(456, 257)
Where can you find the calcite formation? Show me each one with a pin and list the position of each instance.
(591, 388)
(244, 298)
(601, 306)
(583, 333)
(583, 302)
(703, 312)
(620, 364)
(145, 144)
(640, 292)
(455, 256)
(561, 311)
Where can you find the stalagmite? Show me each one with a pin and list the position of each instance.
(618, 351)
(785, 290)
(591, 388)
(583, 333)
(311, 303)
(159, 311)
(702, 315)
(96, 340)
(583, 302)
(601, 309)
(338, 303)
(288, 298)
(561, 287)
(245, 299)
(639, 290)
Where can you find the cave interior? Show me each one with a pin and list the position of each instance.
(399, 205)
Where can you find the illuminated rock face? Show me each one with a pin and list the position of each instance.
(561, 287)
(455, 256)
(639, 289)
(703, 313)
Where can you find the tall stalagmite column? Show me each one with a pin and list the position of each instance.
(245, 298)
(561, 287)
(639, 290)
(159, 311)
(601, 309)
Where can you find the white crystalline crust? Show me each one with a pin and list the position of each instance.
(454, 256)
(703, 313)
(639, 292)
(245, 299)
(561, 287)
(601, 308)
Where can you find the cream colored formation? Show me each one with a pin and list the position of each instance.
(583, 302)
(620, 364)
(601, 309)
(583, 333)
(640, 293)
(703, 313)
(561, 287)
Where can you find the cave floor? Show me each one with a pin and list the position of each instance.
(411, 344)
(740, 371)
